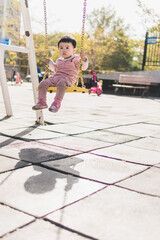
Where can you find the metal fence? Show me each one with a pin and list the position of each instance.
(151, 56)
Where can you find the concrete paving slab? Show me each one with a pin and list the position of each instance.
(88, 117)
(76, 143)
(31, 133)
(141, 130)
(92, 124)
(156, 135)
(11, 219)
(149, 143)
(36, 152)
(10, 164)
(116, 213)
(4, 141)
(66, 128)
(96, 168)
(3, 138)
(2, 113)
(125, 118)
(38, 191)
(113, 213)
(154, 121)
(26, 113)
(104, 135)
(59, 119)
(131, 154)
(157, 165)
(17, 120)
(147, 182)
(43, 230)
(9, 125)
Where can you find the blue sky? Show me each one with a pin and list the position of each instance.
(66, 15)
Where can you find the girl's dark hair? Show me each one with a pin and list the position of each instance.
(67, 39)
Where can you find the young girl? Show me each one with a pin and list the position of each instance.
(66, 69)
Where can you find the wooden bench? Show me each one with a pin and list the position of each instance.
(133, 82)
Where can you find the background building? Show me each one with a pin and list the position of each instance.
(10, 17)
(10, 21)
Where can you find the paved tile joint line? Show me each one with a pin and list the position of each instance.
(96, 161)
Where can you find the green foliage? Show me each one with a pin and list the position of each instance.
(109, 46)
(106, 44)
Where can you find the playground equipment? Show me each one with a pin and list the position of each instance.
(80, 75)
(29, 50)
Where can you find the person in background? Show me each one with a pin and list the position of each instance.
(94, 78)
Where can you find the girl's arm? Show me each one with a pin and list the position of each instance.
(84, 60)
(52, 65)
(85, 64)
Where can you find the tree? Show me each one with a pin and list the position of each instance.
(106, 44)
(149, 16)
(109, 47)
(99, 21)
(121, 53)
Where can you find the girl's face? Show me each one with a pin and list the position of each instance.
(66, 49)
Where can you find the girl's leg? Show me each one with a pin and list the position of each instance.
(61, 88)
(42, 90)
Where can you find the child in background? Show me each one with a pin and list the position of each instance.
(94, 78)
(66, 70)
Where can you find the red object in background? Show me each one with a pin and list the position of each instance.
(17, 77)
(97, 90)
(97, 84)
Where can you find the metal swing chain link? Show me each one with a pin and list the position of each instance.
(80, 75)
(46, 39)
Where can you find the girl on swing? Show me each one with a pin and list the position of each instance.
(65, 70)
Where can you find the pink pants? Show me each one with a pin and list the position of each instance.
(60, 82)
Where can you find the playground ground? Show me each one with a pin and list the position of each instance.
(92, 172)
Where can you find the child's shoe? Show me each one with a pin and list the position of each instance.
(40, 105)
(55, 106)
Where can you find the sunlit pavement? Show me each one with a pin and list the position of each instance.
(91, 172)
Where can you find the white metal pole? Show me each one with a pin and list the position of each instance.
(4, 87)
(31, 55)
(13, 48)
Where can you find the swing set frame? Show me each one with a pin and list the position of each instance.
(30, 51)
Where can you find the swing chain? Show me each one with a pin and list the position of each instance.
(46, 39)
(80, 75)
